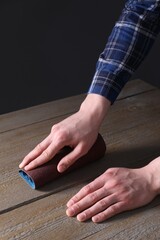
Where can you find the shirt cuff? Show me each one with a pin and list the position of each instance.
(108, 84)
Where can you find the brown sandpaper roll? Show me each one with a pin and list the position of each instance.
(47, 172)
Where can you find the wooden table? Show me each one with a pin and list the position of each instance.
(132, 135)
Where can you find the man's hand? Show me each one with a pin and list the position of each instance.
(78, 131)
(115, 191)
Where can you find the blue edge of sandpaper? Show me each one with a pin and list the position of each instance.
(27, 179)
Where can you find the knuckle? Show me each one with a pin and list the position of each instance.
(46, 154)
(114, 209)
(87, 189)
(88, 213)
(93, 197)
(55, 128)
(102, 203)
(102, 216)
(34, 164)
(106, 187)
(75, 199)
(114, 172)
(76, 207)
(61, 136)
(38, 148)
(110, 171)
(113, 184)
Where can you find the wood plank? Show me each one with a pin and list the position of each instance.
(133, 136)
(60, 107)
(143, 224)
(46, 219)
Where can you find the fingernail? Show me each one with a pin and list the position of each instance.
(20, 165)
(70, 212)
(26, 168)
(62, 168)
(95, 219)
(81, 217)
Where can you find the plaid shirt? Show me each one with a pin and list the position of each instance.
(131, 39)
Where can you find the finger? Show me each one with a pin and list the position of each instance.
(86, 202)
(98, 207)
(70, 158)
(35, 152)
(109, 212)
(91, 187)
(46, 155)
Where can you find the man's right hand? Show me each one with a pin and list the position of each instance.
(79, 131)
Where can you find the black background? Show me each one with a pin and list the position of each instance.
(49, 49)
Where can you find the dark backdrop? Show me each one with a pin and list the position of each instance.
(49, 49)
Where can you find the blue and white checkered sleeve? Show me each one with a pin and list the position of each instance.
(129, 42)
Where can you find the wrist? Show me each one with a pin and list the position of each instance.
(153, 169)
(96, 106)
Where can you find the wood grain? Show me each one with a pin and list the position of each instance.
(60, 107)
(132, 134)
(136, 127)
(46, 219)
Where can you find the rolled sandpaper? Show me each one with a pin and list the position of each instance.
(47, 172)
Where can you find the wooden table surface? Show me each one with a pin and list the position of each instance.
(132, 135)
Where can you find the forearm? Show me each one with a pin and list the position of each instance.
(129, 43)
